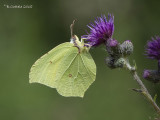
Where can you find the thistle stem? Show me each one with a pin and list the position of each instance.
(143, 90)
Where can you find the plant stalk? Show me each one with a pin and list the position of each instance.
(143, 90)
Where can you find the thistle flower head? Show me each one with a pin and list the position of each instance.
(153, 48)
(100, 31)
(151, 75)
(146, 74)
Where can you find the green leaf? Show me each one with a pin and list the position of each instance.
(155, 97)
(65, 69)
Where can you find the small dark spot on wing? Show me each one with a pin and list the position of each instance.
(70, 75)
(50, 62)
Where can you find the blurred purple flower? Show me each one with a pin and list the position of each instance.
(153, 52)
(153, 48)
(100, 31)
(146, 74)
(151, 75)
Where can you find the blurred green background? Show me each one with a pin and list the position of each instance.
(27, 34)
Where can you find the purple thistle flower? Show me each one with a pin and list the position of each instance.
(153, 52)
(153, 48)
(100, 31)
(151, 75)
(146, 74)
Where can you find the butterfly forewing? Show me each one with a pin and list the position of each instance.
(44, 70)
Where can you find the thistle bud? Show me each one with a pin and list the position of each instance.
(110, 62)
(126, 48)
(120, 62)
(112, 47)
(151, 75)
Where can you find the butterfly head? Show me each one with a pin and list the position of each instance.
(82, 47)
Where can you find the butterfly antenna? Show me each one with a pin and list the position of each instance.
(71, 27)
